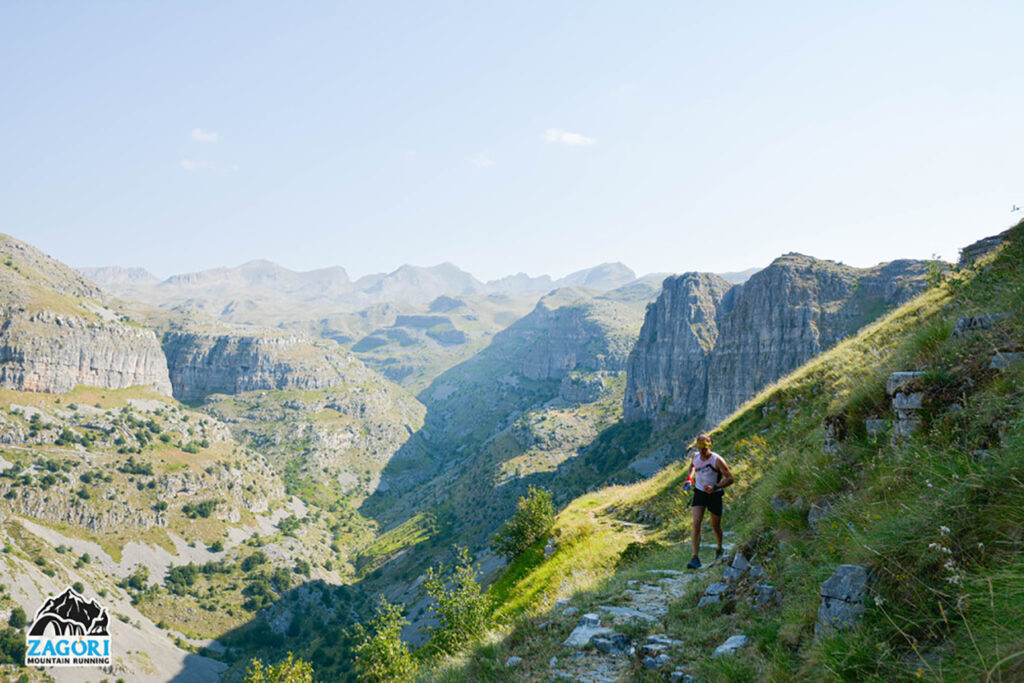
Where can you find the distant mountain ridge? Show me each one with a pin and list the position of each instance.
(262, 279)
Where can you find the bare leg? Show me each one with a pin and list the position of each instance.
(698, 517)
(716, 526)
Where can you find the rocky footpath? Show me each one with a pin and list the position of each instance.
(204, 363)
(56, 332)
(705, 347)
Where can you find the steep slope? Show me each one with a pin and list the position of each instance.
(893, 457)
(56, 332)
(706, 347)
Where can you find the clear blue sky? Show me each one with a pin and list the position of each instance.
(543, 137)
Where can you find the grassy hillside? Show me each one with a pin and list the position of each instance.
(936, 517)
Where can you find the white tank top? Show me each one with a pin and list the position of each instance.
(705, 472)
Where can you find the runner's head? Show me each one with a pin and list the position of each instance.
(704, 444)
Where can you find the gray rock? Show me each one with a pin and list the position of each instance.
(899, 380)
(681, 676)
(583, 634)
(757, 571)
(779, 503)
(731, 574)
(730, 646)
(653, 663)
(967, 325)
(616, 643)
(739, 562)
(570, 611)
(590, 619)
(662, 639)
(513, 661)
(718, 588)
(971, 252)
(553, 662)
(561, 602)
(905, 428)
(706, 600)
(765, 594)
(842, 598)
(874, 427)
(627, 613)
(1006, 360)
(914, 401)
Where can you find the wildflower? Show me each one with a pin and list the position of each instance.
(944, 529)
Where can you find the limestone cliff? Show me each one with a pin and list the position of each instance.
(203, 363)
(706, 347)
(56, 332)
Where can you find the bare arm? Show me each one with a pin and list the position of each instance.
(727, 478)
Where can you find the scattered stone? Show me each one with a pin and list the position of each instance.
(543, 625)
(569, 611)
(662, 639)
(652, 649)
(730, 646)
(561, 602)
(550, 548)
(899, 380)
(656, 662)
(874, 427)
(708, 600)
(740, 562)
(1005, 360)
(819, 511)
(513, 661)
(757, 572)
(589, 626)
(731, 574)
(765, 594)
(914, 401)
(672, 572)
(681, 676)
(779, 503)
(615, 643)
(842, 596)
(965, 326)
(718, 588)
(627, 613)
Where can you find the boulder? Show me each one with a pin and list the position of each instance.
(842, 598)
(900, 380)
(975, 323)
(1005, 360)
(729, 647)
(615, 643)
(513, 662)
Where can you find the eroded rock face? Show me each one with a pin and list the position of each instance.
(56, 332)
(707, 346)
(205, 363)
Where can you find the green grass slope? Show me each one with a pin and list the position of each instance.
(938, 517)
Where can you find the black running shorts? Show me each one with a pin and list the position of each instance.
(712, 501)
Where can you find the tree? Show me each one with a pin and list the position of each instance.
(286, 671)
(380, 654)
(532, 521)
(460, 606)
(17, 618)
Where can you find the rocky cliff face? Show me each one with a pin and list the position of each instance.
(706, 347)
(202, 363)
(668, 368)
(570, 329)
(55, 332)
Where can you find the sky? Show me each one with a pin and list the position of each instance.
(542, 137)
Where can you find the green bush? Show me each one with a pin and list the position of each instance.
(459, 604)
(380, 654)
(533, 520)
(18, 618)
(286, 671)
(203, 509)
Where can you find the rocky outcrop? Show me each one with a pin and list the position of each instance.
(203, 363)
(706, 347)
(56, 333)
(679, 333)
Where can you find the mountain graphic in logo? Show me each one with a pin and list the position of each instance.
(70, 614)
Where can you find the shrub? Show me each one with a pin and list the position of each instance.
(533, 520)
(18, 618)
(380, 653)
(216, 546)
(203, 509)
(286, 671)
(459, 604)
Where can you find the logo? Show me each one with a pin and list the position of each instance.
(69, 630)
